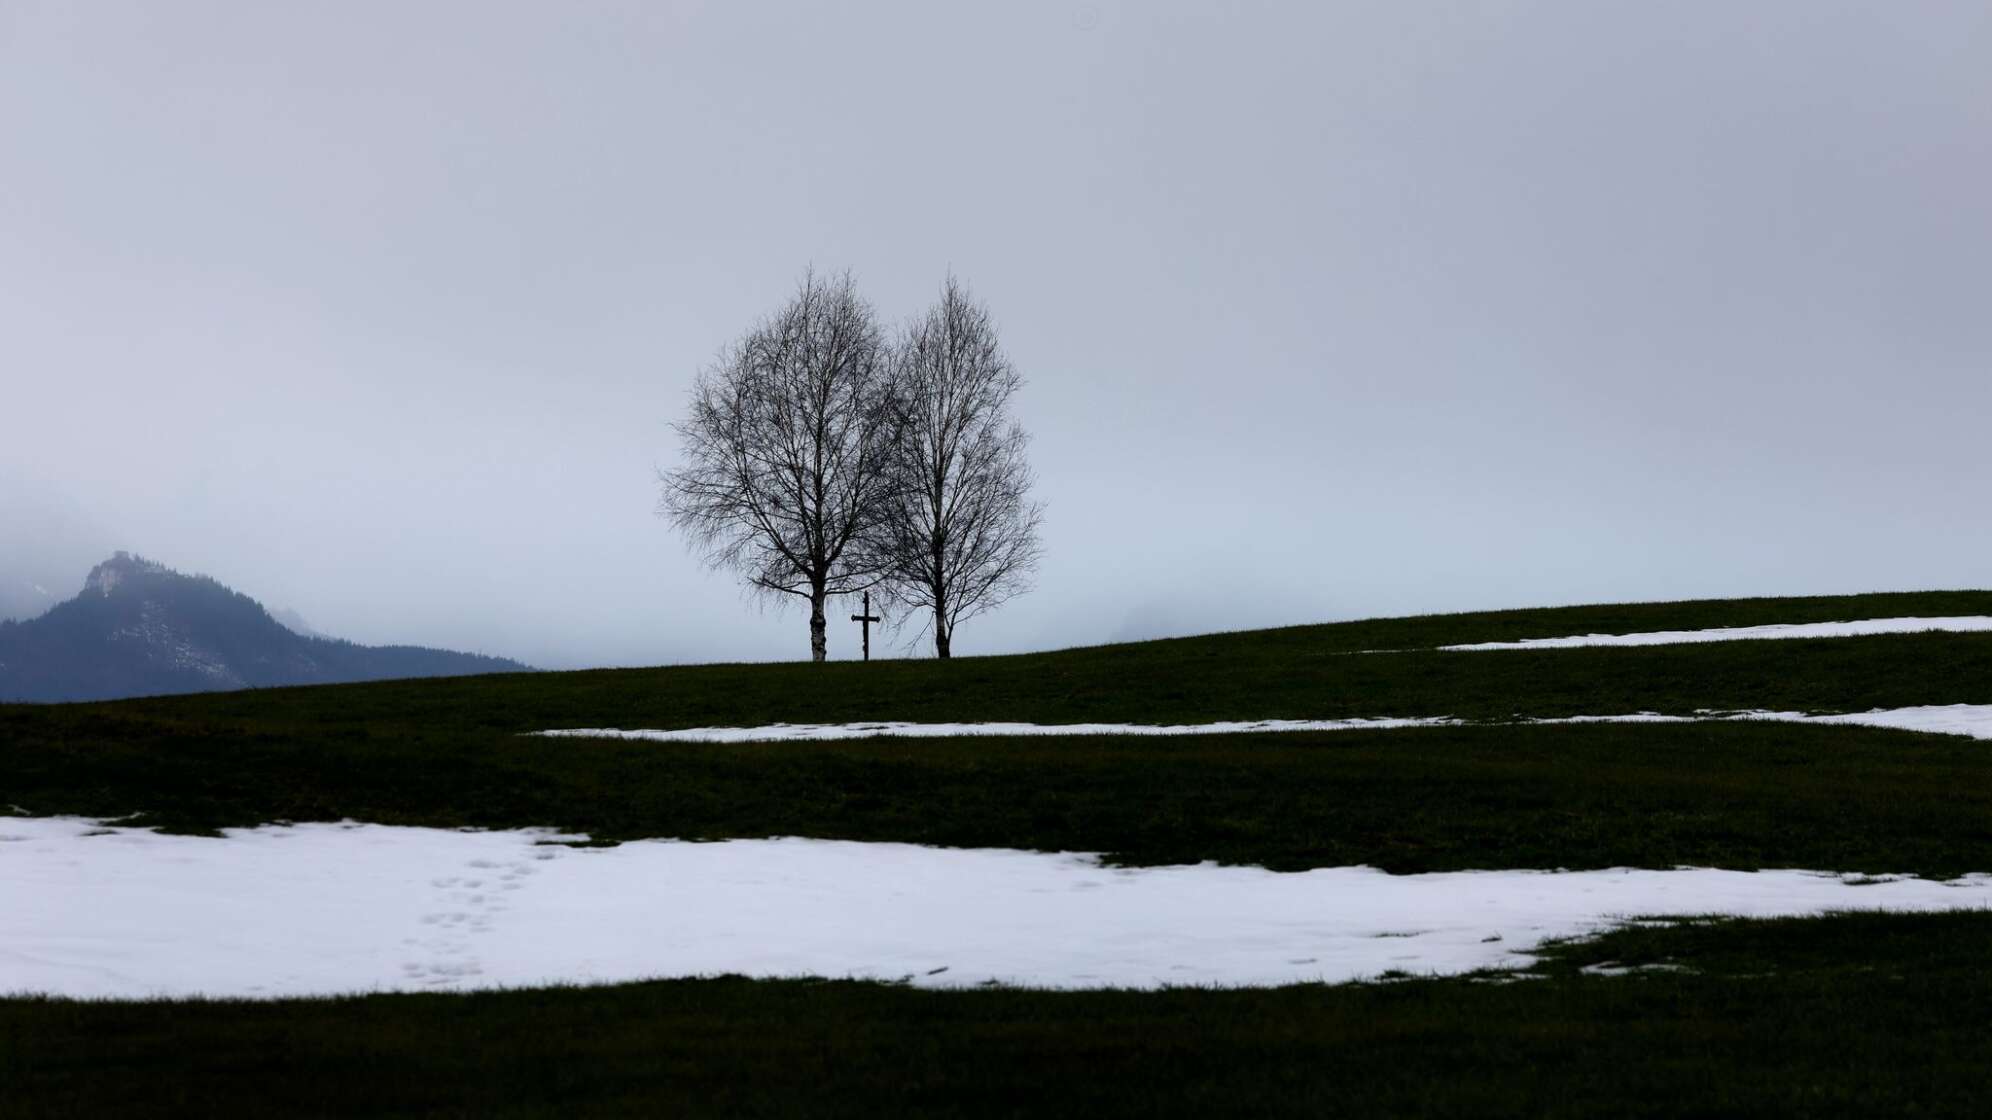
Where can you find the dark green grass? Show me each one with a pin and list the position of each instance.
(1275, 674)
(450, 752)
(1426, 631)
(1855, 1015)
(1593, 795)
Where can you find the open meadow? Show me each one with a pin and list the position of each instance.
(1833, 1015)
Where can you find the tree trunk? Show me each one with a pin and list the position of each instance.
(819, 642)
(942, 639)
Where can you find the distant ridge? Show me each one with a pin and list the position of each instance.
(139, 628)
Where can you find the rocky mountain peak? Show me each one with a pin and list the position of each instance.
(108, 576)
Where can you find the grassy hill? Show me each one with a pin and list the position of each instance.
(1831, 1016)
(1297, 672)
(451, 752)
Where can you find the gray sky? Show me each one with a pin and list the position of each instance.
(381, 311)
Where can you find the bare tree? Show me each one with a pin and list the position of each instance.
(962, 532)
(786, 452)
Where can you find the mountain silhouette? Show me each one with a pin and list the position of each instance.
(141, 629)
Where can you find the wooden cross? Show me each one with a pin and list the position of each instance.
(865, 620)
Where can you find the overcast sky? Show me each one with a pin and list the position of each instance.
(382, 311)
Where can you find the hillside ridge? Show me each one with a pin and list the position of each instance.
(140, 628)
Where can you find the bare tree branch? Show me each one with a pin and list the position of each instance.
(961, 533)
(786, 452)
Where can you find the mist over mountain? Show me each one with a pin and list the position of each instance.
(44, 541)
(139, 628)
(295, 623)
(24, 598)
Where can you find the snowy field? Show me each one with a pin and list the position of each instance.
(1973, 720)
(317, 909)
(1969, 624)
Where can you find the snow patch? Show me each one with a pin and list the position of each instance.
(1974, 720)
(832, 732)
(1969, 624)
(1970, 720)
(167, 645)
(328, 908)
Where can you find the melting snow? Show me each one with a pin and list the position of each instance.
(827, 732)
(1970, 720)
(1965, 624)
(313, 909)
(1974, 720)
